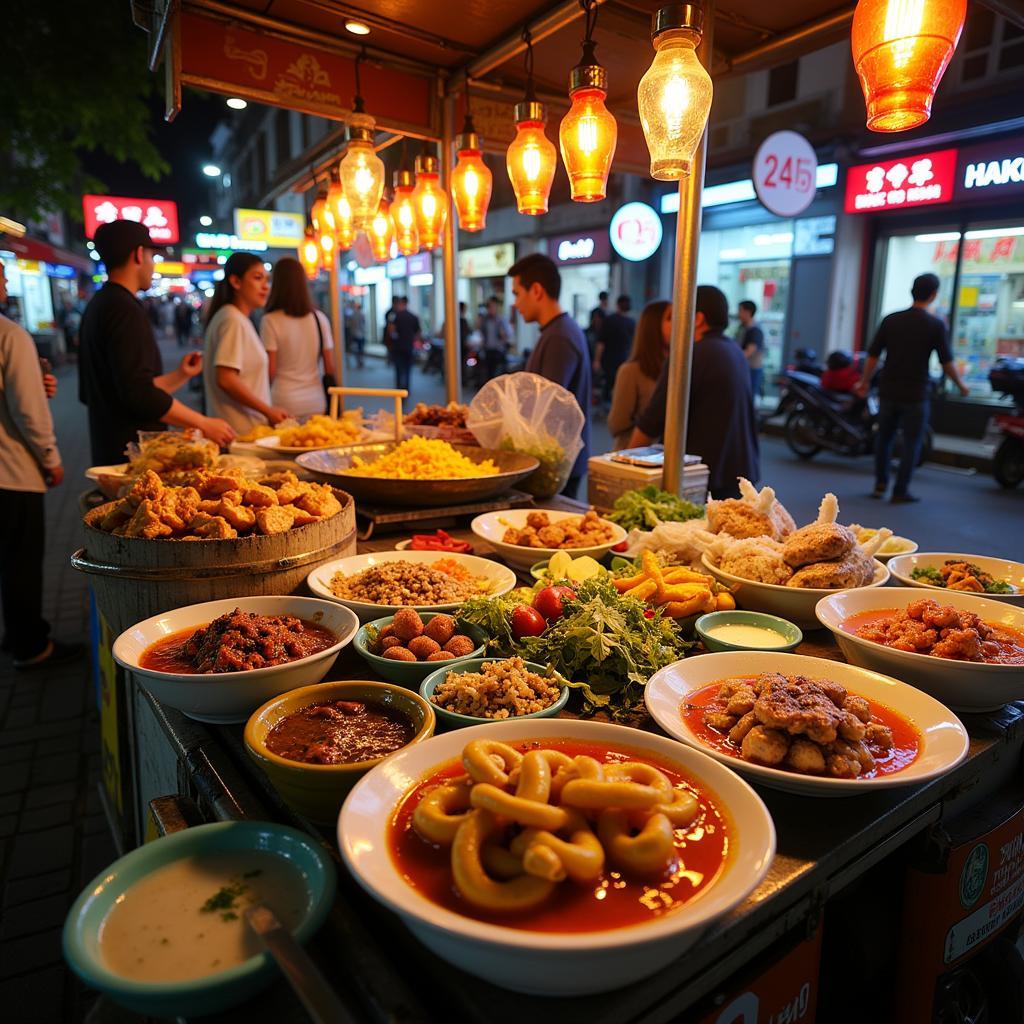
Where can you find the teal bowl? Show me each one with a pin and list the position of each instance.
(213, 992)
(447, 720)
(411, 673)
(786, 629)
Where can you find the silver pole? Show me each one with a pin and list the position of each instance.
(337, 323)
(450, 262)
(684, 294)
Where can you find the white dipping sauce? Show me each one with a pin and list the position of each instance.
(185, 919)
(747, 636)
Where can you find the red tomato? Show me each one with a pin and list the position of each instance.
(527, 621)
(549, 601)
(621, 546)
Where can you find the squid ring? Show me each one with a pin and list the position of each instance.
(648, 852)
(499, 862)
(680, 810)
(476, 886)
(490, 761)
(528, 813)
(543, 862)
(440, 812)
(559, 764)
(581, 858)
(643, 774)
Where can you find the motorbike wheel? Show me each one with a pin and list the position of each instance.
(1008, 465)
(800, 434)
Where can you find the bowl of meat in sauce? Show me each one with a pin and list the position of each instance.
(966, 651)
(315, 743)
(218, 661)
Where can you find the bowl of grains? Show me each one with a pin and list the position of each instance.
(492, 690)
(378, 584)
(407, 647)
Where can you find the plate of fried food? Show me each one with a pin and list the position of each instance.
(290, 437)
(806, 725)
(523, 537)
(997, 578)
(787, 572)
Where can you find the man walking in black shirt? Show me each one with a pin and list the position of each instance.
(614, 343)
(908, 339)
(403, 330)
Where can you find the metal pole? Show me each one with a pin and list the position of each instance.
(450, 262)
(684, 294)
(337, 324)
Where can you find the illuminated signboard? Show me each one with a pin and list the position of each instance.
(919, 180)
(278, 228)
(159, 215)
(580, 248)
(216, 240)
(635, 231)
(991, 170)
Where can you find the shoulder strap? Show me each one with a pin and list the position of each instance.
(319, 332)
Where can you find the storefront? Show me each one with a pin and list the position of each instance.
(584, 261)
(483, 272)
(957, 213)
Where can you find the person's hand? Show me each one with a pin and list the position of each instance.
(861, 390)
(275, 414)
(49, 385)
(964, 390)
(54, 476)
(219, 431)
(192, 364)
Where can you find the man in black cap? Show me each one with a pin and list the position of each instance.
(121, 376)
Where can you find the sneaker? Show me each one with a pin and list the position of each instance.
(904, 499)
(55, 653)
(879, 491)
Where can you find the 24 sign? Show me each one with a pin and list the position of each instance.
(785, 173)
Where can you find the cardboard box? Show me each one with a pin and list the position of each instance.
(606, 480)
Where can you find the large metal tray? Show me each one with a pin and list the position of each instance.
(332, 465)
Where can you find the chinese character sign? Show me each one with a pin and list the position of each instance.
(159, 215)
(917, 180)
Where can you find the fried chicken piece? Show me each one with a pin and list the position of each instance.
(148, 487)
(738, 519)
(258, 496)
(818, 542)
(96, 517)
(855, 753)
(276, 480)
(551, 536)
(538, 520)
(857, 706)
(805, 756)
(177, 506)
(212, 527)
(274, 519)
(319, 501)
(240, 517)
(741, 702)
(835, 692)
(851, 728)
(766, 746)
(841, 575)
(753, 558)
(719, 720)
(958, 645)
(879, 735)
(217, 485)
(799, 707)
(742, 727)
(146, 522)
(842, 767)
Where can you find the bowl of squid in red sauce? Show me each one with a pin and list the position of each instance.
(556, 857)
(963, 649)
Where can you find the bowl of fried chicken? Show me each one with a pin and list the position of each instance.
(523, 537)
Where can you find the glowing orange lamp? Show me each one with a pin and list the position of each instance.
(381, 232)
(471, 180)
(530, 159)
(320, 214)
(430, 202)
(588, 131)
(341, 211)
(403, 213)
(328, 249)
(901, 48)
(309, 255)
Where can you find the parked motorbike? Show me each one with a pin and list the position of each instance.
(1007, 378)
(805, 365)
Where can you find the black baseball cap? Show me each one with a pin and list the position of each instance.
(116, 241)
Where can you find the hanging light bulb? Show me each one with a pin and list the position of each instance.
(430, 202)
(320, 214)
(900, 50)
(588, 131)
(361, 170)
(328, 249)
(309, 255)
(471, 180)
(675, 93)
(530, 158)
(381, 232)
(341, 211)
(403, 213)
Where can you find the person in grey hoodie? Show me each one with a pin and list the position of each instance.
(29, 464)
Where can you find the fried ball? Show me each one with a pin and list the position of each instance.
(423, 647)
(440, 656)
(407, 624)
(399, 653)
(440, 629)
(384, 642)
(459, 646)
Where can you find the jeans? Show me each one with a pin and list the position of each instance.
(912, 417)
(757, 382)
(21, 573)
(403, 368)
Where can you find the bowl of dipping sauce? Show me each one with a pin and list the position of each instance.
(162, 932)
(316, 742)
(747, 631)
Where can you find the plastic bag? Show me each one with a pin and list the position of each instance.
(524, 412)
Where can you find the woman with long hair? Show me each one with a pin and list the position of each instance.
(636, 378)
(236, 382)
(296, 336)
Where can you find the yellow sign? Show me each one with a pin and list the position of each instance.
(278, 228)
(487, 261)
(168, 269)
(29, 266)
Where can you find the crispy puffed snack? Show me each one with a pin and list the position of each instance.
(259, 496)
(212, 527)
(215, 486)
(241, 517)
(300, 517)
(95, 517)
(276, 480)
(319, 501)
(289, 492)
(148, 487)
(177, 507)
(146, 522)
(274, 519)
(211, 506)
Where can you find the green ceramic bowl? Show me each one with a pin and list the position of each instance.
(214, 992)
(451, 720)
(790, 633)
(411, 673)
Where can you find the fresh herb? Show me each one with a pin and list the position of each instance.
(930, 575)
(999, 587)
(643, 509)
(989, 584)
(225, 900)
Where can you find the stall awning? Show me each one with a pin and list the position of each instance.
(28, 248)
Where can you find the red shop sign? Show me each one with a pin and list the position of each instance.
(159, 215)
(919, 180)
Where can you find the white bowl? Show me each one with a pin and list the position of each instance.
(551, 963)
(961, 685)
(901, 566)
(223, 697)
(491, 527)
(319, 580)
(944, 740)
(794, 603)
(910, 546)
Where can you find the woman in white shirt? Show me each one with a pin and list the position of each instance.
(296, 336)
(236, 381)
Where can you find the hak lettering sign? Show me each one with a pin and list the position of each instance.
(919, 180)
(991, 170)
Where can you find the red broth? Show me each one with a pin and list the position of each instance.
(906, 740)
(614, 900)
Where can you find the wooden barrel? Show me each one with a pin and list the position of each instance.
(134, 578)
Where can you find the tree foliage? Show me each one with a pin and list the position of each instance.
(75, 81)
